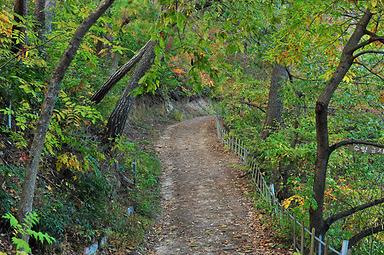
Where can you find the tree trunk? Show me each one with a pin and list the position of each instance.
(21, 9)
(49, 11)
(118, 75)
(119, 116)
(275, 103)
(26, 200)
(322, 138)
(40, 17)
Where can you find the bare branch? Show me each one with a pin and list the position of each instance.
(364, 233)
(351, 211)
(370, 70)
(368, 52)
(349, 142)
(373, 38)
(252, 105)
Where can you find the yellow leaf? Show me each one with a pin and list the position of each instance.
(87, 48)
(295, 198)
(5, 23)
(349, 77)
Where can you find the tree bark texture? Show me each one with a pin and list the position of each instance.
(119, 116)
(322, 137)
(40, 17)
(118, 75)
(275, 104)
(29, 185)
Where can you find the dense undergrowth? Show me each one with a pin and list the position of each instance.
(86, 188)
(78, 206)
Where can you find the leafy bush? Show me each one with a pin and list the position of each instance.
(23, 230)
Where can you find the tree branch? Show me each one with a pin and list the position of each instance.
(252, 105)
(118, 75)
(349, 142)
(304, 79)
(332, 219)
(29, 185)
(364, 233)
(368, 52)
(373, 38)
(369, 70)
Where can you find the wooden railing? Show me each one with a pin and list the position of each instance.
(303, 240)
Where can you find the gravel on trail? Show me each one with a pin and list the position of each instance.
(204, 208)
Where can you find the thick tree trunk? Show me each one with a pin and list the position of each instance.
(316, 215)
(273, 119)
(21, 9)
(119, 116)
(26, 200)
(118, 75)
(322, 137)
(275, 104)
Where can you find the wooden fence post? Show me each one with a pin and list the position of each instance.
(294, 232)
(267, 191)
(134, 171)
(302, 239)
(312, 249)
(326, 248)
(272, 195)
(344, 249)
(246, 156)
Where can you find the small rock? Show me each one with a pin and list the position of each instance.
(91, 250)
(130, 210)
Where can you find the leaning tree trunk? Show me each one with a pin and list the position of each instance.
(118, 75)
(21, 9)
(26, 200)
(275, 104)
(119, 116)
(322, 137)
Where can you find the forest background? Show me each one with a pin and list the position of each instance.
(299, 81)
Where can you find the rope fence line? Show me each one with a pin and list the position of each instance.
(303, 240)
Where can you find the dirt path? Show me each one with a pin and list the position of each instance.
(204, 210)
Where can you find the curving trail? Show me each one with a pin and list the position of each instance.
(204, 208)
